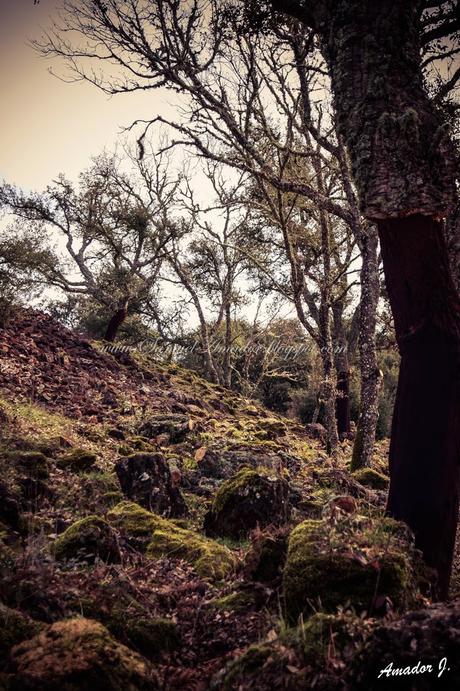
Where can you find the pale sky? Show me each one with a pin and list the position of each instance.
(46, 125)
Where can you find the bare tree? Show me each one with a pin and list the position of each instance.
(112, 229)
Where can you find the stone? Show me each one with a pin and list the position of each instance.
(78, 460)
(174, 426)
(79, 655)
(316, 431)
(145, 478)
(374, 561)
(252, 498)
(9, 506)
(87, 539)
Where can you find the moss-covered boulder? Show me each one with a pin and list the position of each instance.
(78, 460)
(210, 560)
(163, 537)
(33, 464)
(312, 655)
(151, 637)
(238, 601)
(247, 669)
(371, 478)
(79, 655)
(265, 559)
(135, 523)
(146, 479)
(87, 539)
(174, 427)
(251, 498)
(9, 505)
(353, 562)
(15, 627)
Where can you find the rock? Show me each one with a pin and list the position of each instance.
(146, 479)
(423, 637)
(238, 601)
(78, 460)
(162, 537)
(362, 567)
(316, 431)
(216, 465)
(176, 427)
(79, 655)
(33, 464)
(251, 498)
(135, 523)
(15, 627)
(9, 506)
(150, 637)
(87, 539)
(371, 478)
(210, 560)
(265, 560)
(115, 433)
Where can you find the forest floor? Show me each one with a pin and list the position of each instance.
(250, 560)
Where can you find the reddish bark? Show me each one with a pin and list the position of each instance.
(425, 440)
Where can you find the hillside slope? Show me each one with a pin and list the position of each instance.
(184, 529)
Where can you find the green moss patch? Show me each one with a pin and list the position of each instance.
(350, 564)
(87, 539)
(78, 460)
(210, 560)
(371, 478)
(15, 627)
(79, 654)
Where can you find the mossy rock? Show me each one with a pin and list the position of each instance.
(111, 499)
(210, 560)
(15, 627)
(265, 560)
(371, 478)
(239, 601)
(33, 463)
(322, 633)
(136, 523)
(79, 655)
(163, 537)
(316, 573)
(151, 637)
(246, 669)
(251, 498)
(87, 539)
(78, 460)
(175, 426)
(146, 479)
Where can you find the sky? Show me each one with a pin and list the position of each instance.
(48, 126)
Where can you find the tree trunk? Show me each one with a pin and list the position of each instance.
(404, 167)
(363, 446)
(328, 384)
(115, 322)
(342, 368)
(425, 440)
